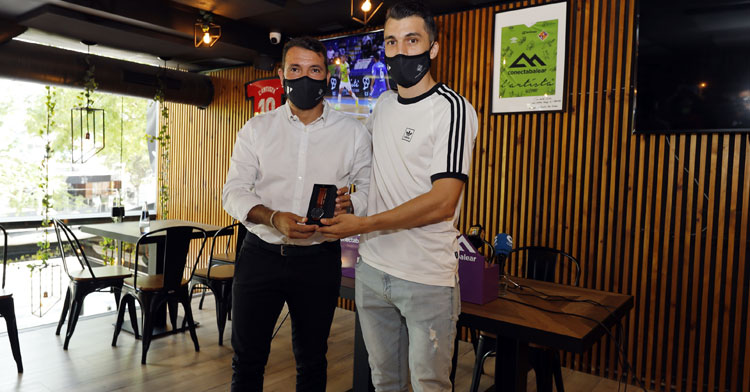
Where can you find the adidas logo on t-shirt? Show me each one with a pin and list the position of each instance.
(407, 135)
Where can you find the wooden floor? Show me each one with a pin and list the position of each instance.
(92, 364)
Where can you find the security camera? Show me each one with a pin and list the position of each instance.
(274, 37)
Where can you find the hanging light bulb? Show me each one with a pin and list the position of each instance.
(88, 135)
(206, 35)
(367, 10)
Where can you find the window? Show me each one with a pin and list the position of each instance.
(125, 166)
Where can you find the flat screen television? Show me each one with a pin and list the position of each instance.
(358, 72)
(693, 66)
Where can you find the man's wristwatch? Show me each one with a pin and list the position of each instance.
(318, 211)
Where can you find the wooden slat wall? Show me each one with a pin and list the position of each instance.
(201, 144)
(664, 218)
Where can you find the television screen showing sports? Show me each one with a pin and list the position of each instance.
(358, 72)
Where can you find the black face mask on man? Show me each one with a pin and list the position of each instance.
(305, 92)
(408, 70)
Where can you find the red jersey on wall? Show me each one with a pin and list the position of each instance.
(265, 94)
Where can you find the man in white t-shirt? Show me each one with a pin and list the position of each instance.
(407, 292)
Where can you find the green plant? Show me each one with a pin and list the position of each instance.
(129, 250)
(163, 139)
(45, 253)
(110, 246)
(86, 97)
(206, 17)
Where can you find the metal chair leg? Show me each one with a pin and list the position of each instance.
(9, 313)
(191, 323)
(557, 372)
(120, 319)
(481, 356)
(66, 307)
(203, 296)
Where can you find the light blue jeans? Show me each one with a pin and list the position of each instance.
(407, 326)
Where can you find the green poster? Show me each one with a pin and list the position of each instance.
(528, 60)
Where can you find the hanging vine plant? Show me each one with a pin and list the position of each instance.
(44, 253)
(86, 97)
(85, 120)
(163, 140)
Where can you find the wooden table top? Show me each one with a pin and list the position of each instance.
(569, 333)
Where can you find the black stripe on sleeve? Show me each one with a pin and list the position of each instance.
(458, 152)
(454, 135)
(460, 129)
(459, 176)
(462, 136)
(451, 156)
(450, 135)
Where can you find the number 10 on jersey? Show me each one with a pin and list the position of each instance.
(265, 94)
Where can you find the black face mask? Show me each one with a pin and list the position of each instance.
(305, 92)
(408, 70)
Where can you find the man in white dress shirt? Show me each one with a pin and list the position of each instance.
(277, 158)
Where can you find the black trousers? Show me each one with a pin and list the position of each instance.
(308, 279)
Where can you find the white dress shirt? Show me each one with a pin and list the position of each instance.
(277, 159)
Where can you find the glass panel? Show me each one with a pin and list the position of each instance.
(125, 166)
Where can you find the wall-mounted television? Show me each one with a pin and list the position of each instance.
(693, 66)
(358, 72)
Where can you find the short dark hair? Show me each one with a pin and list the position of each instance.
(376, 56)
(409, 8)
(308, 43)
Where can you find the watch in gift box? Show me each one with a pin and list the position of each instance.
(317, 212)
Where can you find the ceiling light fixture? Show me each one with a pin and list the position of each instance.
(365, 7)
(206, 32)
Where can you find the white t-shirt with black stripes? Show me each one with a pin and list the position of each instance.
(415, 142)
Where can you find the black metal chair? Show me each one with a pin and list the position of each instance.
(85, 281)
(167, 287)
(7, 310)
(538, 263)
(219, 275)
(225, 254)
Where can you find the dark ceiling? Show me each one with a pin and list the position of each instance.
(144, 30)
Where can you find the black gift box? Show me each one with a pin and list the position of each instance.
(322, 203)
